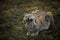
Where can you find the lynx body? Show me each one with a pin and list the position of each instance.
(37, 21)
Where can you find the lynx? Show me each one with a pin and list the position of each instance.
(37, 21)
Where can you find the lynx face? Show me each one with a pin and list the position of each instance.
(29, 21)
(37, 21)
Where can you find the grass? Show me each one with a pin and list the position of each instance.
(18, 32)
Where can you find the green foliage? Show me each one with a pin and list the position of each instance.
(21, 18)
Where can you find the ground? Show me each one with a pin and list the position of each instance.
(11, 19)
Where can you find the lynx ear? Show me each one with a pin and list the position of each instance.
(49, 14)
(35, 11)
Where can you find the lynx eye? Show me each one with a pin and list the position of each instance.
(31, 20)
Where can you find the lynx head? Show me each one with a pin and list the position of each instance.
(29, 21)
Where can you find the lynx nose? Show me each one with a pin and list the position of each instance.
(30, 20)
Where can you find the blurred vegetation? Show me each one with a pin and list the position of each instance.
(11, 19)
